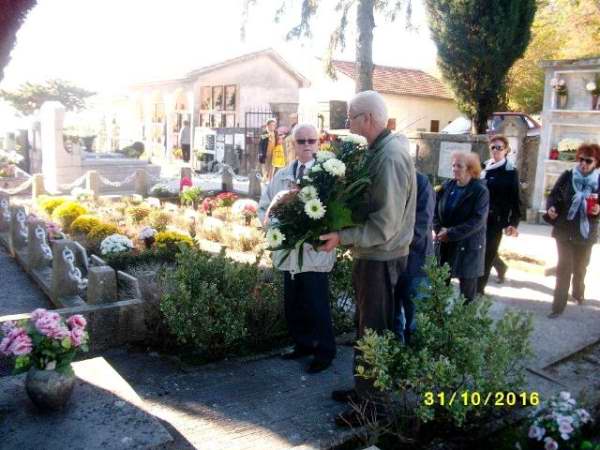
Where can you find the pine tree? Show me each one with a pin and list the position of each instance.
(478, 41)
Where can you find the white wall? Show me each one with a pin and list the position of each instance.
(414, 113)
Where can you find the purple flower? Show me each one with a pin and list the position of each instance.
(77, 321)
(536, 432)
(36, 314)
(564, 428)
(16, 342)
(583, 415)
(550, 444)
(77, 336)
(48, 324)
(8, 326)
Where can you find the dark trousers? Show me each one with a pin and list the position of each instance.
(308, 313)
(492, 242)
(185, 149)
(573, 260)
(468, 286)
(374, 284)
(407, 293)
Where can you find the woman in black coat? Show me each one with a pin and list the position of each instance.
(460, 221)
(575, 224)
(502, 181)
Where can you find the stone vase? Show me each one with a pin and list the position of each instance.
(561, 101)
(49, 390)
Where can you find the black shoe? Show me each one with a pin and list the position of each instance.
(501, 277)
(553, 315)
(345, 396)
(358, 416)
(296, 354)
(318, 365)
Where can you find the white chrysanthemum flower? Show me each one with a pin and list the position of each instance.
(275, 237)
(308, 193)
(324, 155)
(147, 233)
(316, 168)
(307, 178)
(115, 243)
(591, 86)
(335, 167)
(314, 209)
(355, 139)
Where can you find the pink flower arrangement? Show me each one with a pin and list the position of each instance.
(54, 230)
(45, 341)
(208, 204)
(185, 181)
(226, 199)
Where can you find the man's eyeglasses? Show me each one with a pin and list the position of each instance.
(348, 119)
(306, 141)
(587, 160)
(496, 147)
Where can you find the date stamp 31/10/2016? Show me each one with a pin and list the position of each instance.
(474, 398)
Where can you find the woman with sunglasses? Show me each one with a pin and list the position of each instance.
(502, 181)
(573, 210)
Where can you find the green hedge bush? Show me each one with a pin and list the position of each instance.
(172, 241)
(456, 348)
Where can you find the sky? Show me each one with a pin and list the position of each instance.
(106, 45)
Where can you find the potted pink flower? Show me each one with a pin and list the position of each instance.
(44, 346)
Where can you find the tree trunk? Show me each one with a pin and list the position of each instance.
(365, 22)
(479, 123)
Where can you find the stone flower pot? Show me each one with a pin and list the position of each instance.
(49, 390)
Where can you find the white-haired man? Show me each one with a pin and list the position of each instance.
(306, 290)
(381, 245)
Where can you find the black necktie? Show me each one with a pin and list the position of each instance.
(300, 172)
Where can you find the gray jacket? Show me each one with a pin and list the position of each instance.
(392, 196)
(313, 261)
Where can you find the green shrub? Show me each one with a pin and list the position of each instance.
(84, 224)
(159, 220)
(206, 303)
(67, 212)
(171, 241)
(456, 348)
(49, 204)
(138, 213)
(101, 231)
(341, 293)
(190, 195)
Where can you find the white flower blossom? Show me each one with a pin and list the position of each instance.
(115, 243)
(316, 168)
(275, 237)
(147, 233)
(355, 139)
(314, 209)
(584, 416)
(335, 167)
(591, 86)
(81, 194)
(308, 193)
(324, 155)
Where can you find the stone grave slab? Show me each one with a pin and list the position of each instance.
(103, 413)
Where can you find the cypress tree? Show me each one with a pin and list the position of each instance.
(478, 41)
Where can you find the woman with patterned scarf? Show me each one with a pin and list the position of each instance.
(573, 210)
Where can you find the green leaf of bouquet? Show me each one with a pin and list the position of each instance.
(65, 368)
(338, 216)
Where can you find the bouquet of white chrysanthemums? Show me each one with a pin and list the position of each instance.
(328, 198)
(115, 243)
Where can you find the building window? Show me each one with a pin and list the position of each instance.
(435, 126)
(230, 97)
(217, 95)
(206, 98)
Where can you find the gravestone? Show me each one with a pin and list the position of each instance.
(39, 253)
(69, 271)
(226, 179)
(254, 189)
(18, 230)
(102, 285)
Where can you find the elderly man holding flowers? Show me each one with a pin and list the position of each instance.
(306, 284)
(380, 246)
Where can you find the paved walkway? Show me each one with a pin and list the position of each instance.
(18, 294)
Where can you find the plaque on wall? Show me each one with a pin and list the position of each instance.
(338, 113)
